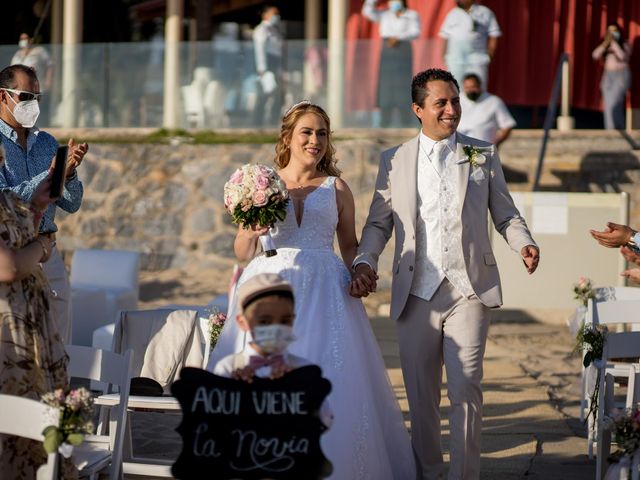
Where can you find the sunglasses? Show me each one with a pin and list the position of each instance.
(24, 96)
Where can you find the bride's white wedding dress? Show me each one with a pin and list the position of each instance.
(368, 439)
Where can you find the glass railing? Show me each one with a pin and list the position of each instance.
(123, 85)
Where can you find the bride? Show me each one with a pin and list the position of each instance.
(368, 439)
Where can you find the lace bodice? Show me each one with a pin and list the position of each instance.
(319, 221)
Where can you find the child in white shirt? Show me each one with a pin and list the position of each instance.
(266, 310)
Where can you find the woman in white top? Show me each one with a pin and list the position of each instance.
(398, 26)
(614, 51)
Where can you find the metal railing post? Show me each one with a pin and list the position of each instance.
(565, 121)
(549, 118)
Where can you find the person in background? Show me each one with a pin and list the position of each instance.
(614, 51)
(37, 58)
(29, 153)
(32, 354)
(398, 26)
(484, 116)
(267, 45)
(470, 32)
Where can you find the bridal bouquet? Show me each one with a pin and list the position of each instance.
(256, 195)
(74, 420)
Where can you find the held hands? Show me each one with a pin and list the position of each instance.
(392, 41)
(75, 157)
(530, 257)
(47, 246)
(364, 281)
(614, 235)
(248, 373)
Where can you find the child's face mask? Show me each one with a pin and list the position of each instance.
(273, 338)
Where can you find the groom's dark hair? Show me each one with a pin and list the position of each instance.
(419, 83)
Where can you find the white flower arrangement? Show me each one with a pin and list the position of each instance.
(476, 156)
(74, 421)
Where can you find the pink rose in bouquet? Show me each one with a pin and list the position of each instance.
(260, 198)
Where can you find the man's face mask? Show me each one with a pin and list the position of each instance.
(616, 36)
(272, 338)
(25, 112)
(23, 43)
(274, 20)
(395, 6)
(473, 95)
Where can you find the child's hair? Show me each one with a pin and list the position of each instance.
(289, 121)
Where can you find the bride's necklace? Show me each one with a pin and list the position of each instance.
(300, 186)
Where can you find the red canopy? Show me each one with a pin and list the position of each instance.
(534, 34)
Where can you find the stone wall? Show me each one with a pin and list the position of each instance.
(166, 200)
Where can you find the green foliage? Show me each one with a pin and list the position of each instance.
(200, 137)
(265, 216)
(583, 291)
(52, 439)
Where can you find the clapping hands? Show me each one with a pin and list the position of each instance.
(615, 235)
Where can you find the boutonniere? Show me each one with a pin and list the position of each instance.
(475, 155)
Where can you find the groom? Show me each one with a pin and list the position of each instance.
(435, 192)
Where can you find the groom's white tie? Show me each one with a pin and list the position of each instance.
(439, 157)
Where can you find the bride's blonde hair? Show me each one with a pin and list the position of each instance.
(289, 121)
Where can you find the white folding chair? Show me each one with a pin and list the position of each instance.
(621, 317)
(609, 312)
(24, 417)
(113, 273)
(102, 452)
(152, 336)
(617, 345)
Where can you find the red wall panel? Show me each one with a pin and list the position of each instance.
(535, 33)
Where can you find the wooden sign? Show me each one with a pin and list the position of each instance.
(264, 429)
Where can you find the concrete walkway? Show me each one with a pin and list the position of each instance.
(528, 430)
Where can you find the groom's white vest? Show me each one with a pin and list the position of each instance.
(438, 226)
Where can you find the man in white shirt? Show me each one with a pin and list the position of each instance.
(484, 116)
(267, 45)
(470, 32)
(398, 26)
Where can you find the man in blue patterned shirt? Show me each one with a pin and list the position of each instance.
(29, 157)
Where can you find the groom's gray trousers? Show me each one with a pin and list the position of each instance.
(449, 329)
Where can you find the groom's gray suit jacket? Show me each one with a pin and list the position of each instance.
(395, 205)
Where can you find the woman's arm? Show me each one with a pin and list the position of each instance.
(598, 52)
(621, 52)
(346, 230)
(22, 262)
(246, 241)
